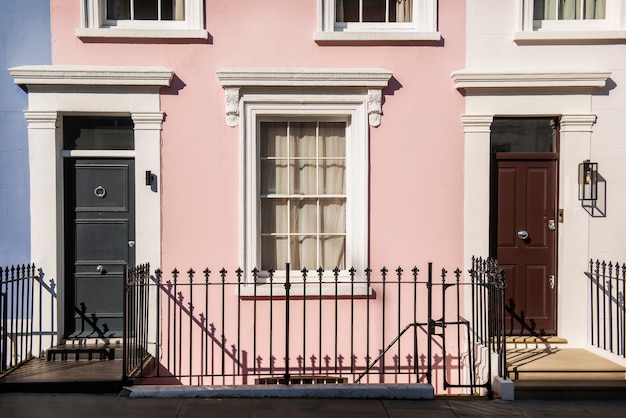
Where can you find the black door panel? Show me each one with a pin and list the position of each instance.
(100, 226)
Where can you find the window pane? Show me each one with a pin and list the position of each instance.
(347, 10)
(332, 139)
(146, 9)
(303, 216)
(274, 216)
(303, 253)
(98, 133)
(273, 139)
(374, 10)
(401, 11)
(274, 252)
(523, 135)
(302, 139)
(118, 9)
(595, 9)
(274, 177)
(333, 252)
(332, 177)
(333, 216)
(569, 9)
(167, 9)
(304, 179)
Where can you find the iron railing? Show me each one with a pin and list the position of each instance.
(489, 309)
(370, 327)
(607, 287)
(27, 315)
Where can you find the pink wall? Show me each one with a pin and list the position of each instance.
(416, 155)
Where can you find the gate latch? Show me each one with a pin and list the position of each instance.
(551, 279)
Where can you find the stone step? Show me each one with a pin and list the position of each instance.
(561, 364)
(570, 389)
(564, 373)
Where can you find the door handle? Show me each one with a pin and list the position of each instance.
(99, 268)
(522, 234)
(551, 280)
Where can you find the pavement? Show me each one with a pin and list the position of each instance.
(111, 405)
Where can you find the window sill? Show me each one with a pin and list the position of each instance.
(376, 36)
(141, 33)
(343, 290)
(570, 37)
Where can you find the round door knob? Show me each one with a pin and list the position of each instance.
(99, 268)
(522, 234)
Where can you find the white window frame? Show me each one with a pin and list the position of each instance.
(423, 26)
(299, 107)
(613, 26)
(351, 95)
(94, 23)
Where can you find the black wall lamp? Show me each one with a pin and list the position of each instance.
(587, 181)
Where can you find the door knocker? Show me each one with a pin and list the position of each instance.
(100, 192)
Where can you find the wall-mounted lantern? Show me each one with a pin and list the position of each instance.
(587, 181)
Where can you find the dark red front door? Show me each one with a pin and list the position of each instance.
(526, 239)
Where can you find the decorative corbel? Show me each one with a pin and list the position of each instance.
(374, 106)
(232, 106)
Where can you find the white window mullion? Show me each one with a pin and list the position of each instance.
(318, 223)
(387, 11)
(289, 188)
(360, 10)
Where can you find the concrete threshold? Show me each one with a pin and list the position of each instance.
(339, 391)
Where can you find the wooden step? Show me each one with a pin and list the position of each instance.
(81, 352)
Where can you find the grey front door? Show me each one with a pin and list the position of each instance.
(99, 241)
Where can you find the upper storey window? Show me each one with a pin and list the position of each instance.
(377, 20)
(547, 11)
(373, 11)
(132, 10)
(569, 21)
(142, 19)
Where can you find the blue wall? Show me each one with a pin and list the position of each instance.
(24, 39)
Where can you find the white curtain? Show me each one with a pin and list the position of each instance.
(404, 10)
(179, 9)
(569, 9)
(303, 164)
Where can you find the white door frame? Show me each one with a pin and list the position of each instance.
(566, 95)
(57, 90)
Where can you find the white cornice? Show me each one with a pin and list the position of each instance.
(475, 80)
(371, 81)
(80, 75)
(304, 77)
